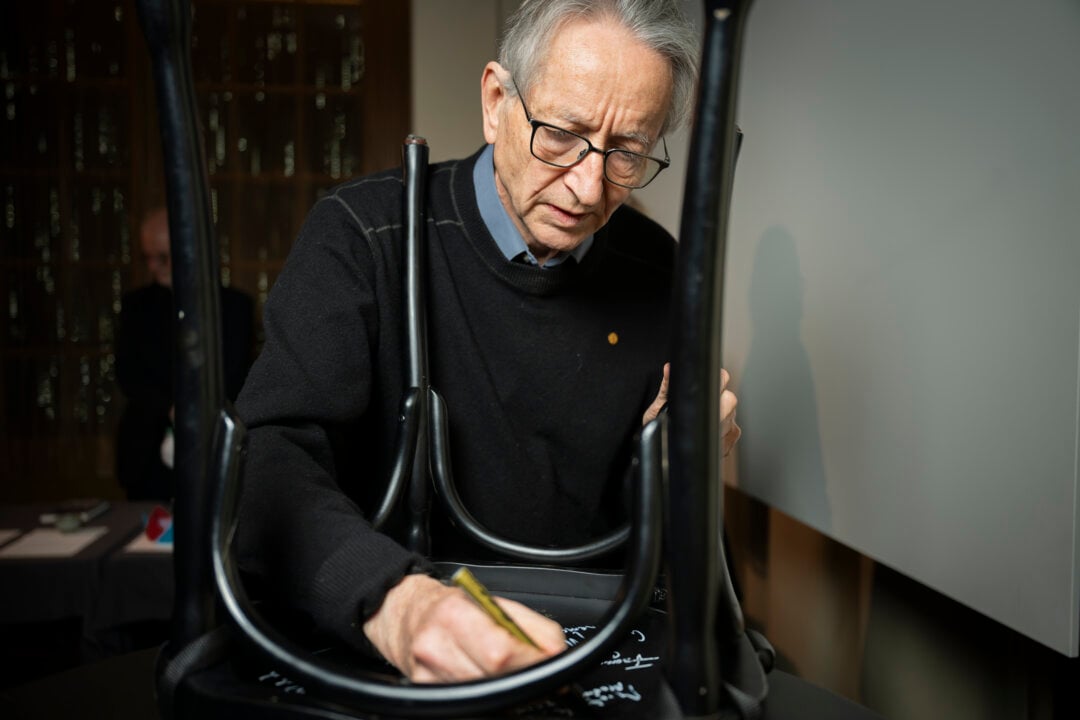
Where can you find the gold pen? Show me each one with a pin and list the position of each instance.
(465, 580)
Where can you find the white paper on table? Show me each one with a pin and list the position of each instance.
(8, 534)
(50, 542)
(141, 543)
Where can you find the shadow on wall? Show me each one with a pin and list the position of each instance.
(780, 458)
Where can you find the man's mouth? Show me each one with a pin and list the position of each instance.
(565, 216)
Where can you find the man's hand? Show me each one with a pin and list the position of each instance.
(435, 633)
(729, 429)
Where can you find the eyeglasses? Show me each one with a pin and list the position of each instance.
(561, 148)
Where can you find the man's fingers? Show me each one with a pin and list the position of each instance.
(543, 631)
(438, 658)
(730, 432)
(494, 651)
(728, 403)
(661, 398)
(731, 437)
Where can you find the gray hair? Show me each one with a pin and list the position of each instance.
(659, 24)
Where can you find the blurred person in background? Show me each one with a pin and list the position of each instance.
(144, 371)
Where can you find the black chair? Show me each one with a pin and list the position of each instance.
(696, 658)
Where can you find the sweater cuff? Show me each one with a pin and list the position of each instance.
(350, 586)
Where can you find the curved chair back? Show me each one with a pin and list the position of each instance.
(705, 653)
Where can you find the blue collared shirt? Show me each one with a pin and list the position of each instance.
(498, 221)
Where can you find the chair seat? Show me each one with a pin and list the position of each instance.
(629, 685)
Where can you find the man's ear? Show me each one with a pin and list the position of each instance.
(492, 94)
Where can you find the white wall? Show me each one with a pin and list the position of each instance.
(903, 307)
(903, 303)
(452, 41)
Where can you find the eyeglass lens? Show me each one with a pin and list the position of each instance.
(562, 148)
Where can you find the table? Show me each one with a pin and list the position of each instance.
(49, 605)
(41, 589)
(134, 602)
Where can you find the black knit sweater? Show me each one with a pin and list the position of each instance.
(545, 372)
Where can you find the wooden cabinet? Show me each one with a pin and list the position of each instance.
(294, 97)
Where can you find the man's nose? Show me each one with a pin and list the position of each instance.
(586, 179)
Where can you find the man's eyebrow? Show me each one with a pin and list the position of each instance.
(642, 138)
(645, 140)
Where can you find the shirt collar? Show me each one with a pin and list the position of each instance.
(498, 221)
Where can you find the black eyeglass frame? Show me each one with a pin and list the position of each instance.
(590, 148)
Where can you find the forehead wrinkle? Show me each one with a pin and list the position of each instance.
(639, 137)
(598, 81)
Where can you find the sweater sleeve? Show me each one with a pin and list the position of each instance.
(298, 529)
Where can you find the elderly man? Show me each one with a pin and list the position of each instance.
(548, 305)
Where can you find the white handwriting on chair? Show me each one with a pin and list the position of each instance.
(577, 633)
(280, 681)
(600, 696)
(574, 635)
(638, 662)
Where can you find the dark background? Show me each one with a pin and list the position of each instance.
(294, 97)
